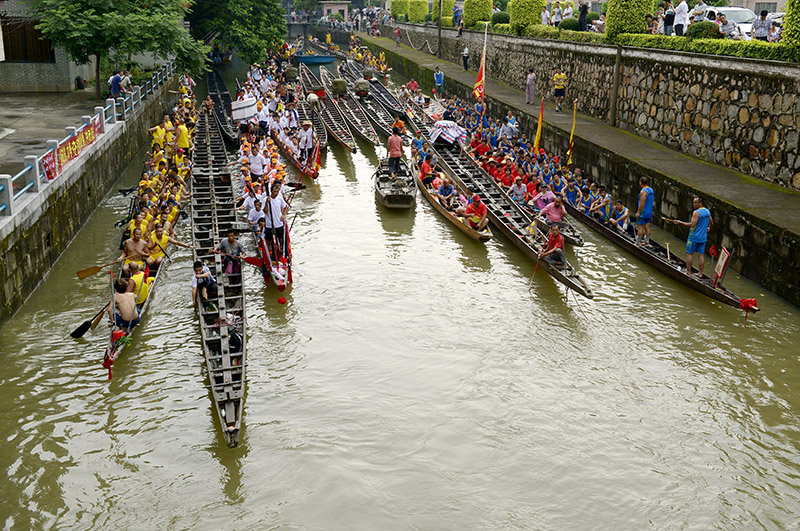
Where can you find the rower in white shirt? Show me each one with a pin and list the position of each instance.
(305, 138)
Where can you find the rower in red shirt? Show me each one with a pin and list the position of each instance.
(555, 245)
(425, 171)
(475, 213)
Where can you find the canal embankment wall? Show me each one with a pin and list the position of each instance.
(738, 112)
(765, 251)
(43, 220)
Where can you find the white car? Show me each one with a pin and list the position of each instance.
(740, 16)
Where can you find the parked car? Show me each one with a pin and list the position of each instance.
(777, 18)
(741, 16)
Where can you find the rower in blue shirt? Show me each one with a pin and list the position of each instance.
(493, 137)
(571, 192)
(644, 212)
(619, 216)
(700, 224)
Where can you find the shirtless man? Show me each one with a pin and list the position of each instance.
(124, 313)
(134, 250)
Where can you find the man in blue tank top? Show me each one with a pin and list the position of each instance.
(644, 213)
(700, 225)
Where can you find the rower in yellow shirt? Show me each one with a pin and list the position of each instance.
(137, 284)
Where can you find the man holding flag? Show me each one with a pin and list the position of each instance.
(479, 91)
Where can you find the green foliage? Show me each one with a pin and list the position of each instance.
(304, 5)
(337, 16)
(754, 48)
(569, 23)
(591, 16)
(582, 36)
(501, 17)
(417, 9)
(447, 22)
(791, 24)
(703, 30)
(399, 8)
(249, 26)
(428, 18)
(524, 14)
(86, 28)
(447, 11)
(541, 31)
(502, 5)
(626, 16)
(501, 28)
(475, 11)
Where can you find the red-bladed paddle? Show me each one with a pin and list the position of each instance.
(252, 260)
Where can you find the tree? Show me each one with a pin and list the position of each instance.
(447, 10)
(307, 6)
(626, 16)
(476, 11)
(525, 13)
(86, 28)
(249, 26)
(791, 23)
(417, 9)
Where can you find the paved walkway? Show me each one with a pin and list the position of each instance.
(777, 205)
(28, 121)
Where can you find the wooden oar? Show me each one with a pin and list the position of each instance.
(89, 271)
(89, 323)
(252, 260)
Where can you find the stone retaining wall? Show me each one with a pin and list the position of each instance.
(741, 113)
(761, 251)
(32, 241)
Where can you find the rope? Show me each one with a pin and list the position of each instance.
(426, 43)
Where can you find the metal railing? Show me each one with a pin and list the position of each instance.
(32, 178)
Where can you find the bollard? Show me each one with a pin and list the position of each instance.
(113, 105)
(6, 194)
(37, 174)
(101, 112)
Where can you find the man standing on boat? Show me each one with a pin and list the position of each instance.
(699, 225)
(644, 213)
(395, 147)
(305, 137)
(232, 247)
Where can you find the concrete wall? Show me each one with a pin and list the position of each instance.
(741, 113)
(44, 224)
(761, 251)
(44, 77)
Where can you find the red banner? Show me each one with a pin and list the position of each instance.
(49, 165)
(75, 145)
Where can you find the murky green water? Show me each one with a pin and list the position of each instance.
(415, 379)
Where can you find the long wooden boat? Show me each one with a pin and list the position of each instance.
(119, 337)
(305, 113)
(323, 49)
(399, 193)
(508, 217)
(570, 233)
(379, 117)
(656, 255)
(460, 223)
(309, 168)
(380, 93)
(331, 115)
(222, 321)
(350, 109)
(222, 107)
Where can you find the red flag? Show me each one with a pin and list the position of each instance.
(479, 90)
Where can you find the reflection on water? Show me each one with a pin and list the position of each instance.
(414, 379)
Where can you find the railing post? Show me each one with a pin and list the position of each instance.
(7, 193)
(113, 105)
(86, 119)
(121, 104)
(71, 131)
(137, 90)
(101, 112)
(53, 144)
(33, 160)
(615, 86)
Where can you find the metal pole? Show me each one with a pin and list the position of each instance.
(615, 90)
(439, 42)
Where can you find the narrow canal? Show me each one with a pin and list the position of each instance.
(415, 379)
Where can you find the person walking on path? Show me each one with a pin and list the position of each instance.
(465, 57)
(681, 17)
(530, 87)
(438, 80)
(397, 35)
(545, 16)
(583, 11)
(699, 225)
(560, 81)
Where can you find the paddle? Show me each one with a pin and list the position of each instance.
(252, 260)
(127, 191)
(84, 326)
(89, 271)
